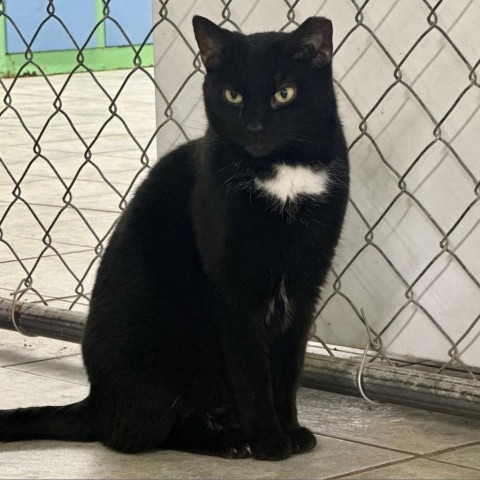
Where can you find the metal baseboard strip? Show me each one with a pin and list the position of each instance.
(383, 383)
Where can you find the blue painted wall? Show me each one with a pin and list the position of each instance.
(135, 17)
(78, 16)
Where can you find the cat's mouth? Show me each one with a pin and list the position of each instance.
(259, 149)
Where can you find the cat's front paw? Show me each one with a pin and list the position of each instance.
(275, 446)
(233, 444)
(303, 440)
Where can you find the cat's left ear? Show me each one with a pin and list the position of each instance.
(211, 39)
(312, 41)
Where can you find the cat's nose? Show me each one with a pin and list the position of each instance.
(255, 127)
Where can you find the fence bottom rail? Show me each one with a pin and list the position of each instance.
(43, 321)
(383, 383)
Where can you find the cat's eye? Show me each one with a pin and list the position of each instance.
(285, 95)
(233, 97)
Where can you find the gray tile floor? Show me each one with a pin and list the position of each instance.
(355, 439)
(75, 224)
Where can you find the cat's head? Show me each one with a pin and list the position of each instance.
(268, 92)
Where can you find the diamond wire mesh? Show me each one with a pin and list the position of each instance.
(178, 121)
(444, 245)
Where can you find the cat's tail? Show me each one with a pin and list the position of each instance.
(77, 421)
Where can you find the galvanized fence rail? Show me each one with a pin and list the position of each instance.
(22, 258)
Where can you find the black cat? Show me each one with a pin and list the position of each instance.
(204, 298)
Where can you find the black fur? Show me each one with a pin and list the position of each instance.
(189, 343)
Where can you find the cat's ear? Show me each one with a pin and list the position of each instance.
(312, 41)
(210, 39)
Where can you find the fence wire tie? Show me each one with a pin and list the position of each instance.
(372, 344)
(17, 297)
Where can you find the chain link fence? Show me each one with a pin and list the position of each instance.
(405, 287)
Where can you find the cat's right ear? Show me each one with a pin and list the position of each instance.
(210, 39)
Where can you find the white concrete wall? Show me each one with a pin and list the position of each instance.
(402, 130)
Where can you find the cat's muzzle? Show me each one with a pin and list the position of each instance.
(259, 149)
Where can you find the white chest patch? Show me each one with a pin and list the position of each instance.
(291, 181)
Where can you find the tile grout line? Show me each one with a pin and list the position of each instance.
(41, 360)
(87, 249)
(370, 469)
(397, 462)
(453, 464)
(406, 452)
(424, 456)
(451, 449)
(48, 298)
(90, 209)
(46, 376)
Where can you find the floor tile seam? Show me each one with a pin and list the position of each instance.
(71, 177)
(101, 113)
(77, 196)
(82, 248)
(450, 449)
(117, 135)
(359, 442)
(27, 145)
(67, 298)
(453, 464)
(26, 118)
(62, 298)
(12, 122)
(426, 455)
(83, 208)
(49, 178)
(56, 357)
(371, 468)
(78, 200)
(47, 376)
(120, 154)
(90, 209)
(86, 249)
(48, 108)
(75, 137)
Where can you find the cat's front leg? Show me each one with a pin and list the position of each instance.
(287, 358)
(250, 381)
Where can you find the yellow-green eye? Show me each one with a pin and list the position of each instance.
(285, 95)
(233, 97)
